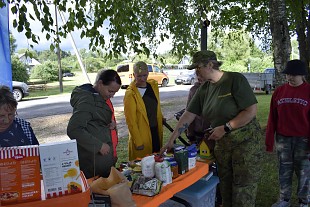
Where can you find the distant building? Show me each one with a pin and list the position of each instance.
(185, 60)
(29, 62)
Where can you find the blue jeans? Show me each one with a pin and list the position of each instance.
(293, 157)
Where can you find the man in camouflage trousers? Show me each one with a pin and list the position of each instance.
(239, 156)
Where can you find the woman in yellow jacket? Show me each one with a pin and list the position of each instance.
(143, 114)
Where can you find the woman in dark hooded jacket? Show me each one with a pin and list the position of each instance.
(90, 123)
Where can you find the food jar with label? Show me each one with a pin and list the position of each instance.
(174, 169)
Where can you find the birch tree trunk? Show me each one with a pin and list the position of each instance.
(280, 37)
(302, 21)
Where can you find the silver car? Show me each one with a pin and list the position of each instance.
(186, 77)
(20, 90)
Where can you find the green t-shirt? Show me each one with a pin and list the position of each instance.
(222, 101)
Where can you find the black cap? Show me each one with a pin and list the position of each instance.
(295, 67)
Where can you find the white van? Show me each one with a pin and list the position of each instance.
(125, 71)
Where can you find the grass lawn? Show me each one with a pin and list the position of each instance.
(68, 84)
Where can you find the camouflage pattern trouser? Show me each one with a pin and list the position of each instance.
(238, 156)
(292, 155)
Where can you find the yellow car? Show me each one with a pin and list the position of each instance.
(125, 71)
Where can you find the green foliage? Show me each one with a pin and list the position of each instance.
(238, 51)
(252, 16)
(133, 25)
(28, 53)
(235, 67)
(139, 26)
(13, 44)
(64, 54)
(235, 48)
(19, 70)
(47, 55)
(111, 63)
(258, 65)
(51, 55)
(66, 65)
(93, 64)
(168, 57)
(295, 51)
(48, 71)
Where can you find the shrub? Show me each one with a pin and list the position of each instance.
(19, 70)
(48, 71)
(235, 67)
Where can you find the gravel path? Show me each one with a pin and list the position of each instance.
(53, 128)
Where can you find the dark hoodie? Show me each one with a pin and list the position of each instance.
(89, 126)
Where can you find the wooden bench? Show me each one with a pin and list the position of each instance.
(37, 86)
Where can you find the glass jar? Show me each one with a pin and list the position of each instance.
(174, 169)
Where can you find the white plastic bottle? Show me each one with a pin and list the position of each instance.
(148, 166)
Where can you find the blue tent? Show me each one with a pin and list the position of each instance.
(5, 57)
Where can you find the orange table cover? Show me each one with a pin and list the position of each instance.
(177, 185)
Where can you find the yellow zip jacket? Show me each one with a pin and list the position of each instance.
(138, 123)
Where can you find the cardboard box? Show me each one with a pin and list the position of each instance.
(60, 168)
(20, 179)
(76, 200)
(181, 157)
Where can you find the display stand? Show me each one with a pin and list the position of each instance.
(76, 200)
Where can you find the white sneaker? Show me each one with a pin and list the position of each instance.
(281, 204)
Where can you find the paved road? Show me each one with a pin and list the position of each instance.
(55, 105)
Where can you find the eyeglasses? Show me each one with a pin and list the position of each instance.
(200, 67)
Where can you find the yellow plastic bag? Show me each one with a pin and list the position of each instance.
(116, 186)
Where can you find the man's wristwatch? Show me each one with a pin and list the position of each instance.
(227, 128)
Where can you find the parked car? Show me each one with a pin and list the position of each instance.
(125, 71)
(186, 77)
(69, 74)
(20, 90)
(270, 70)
